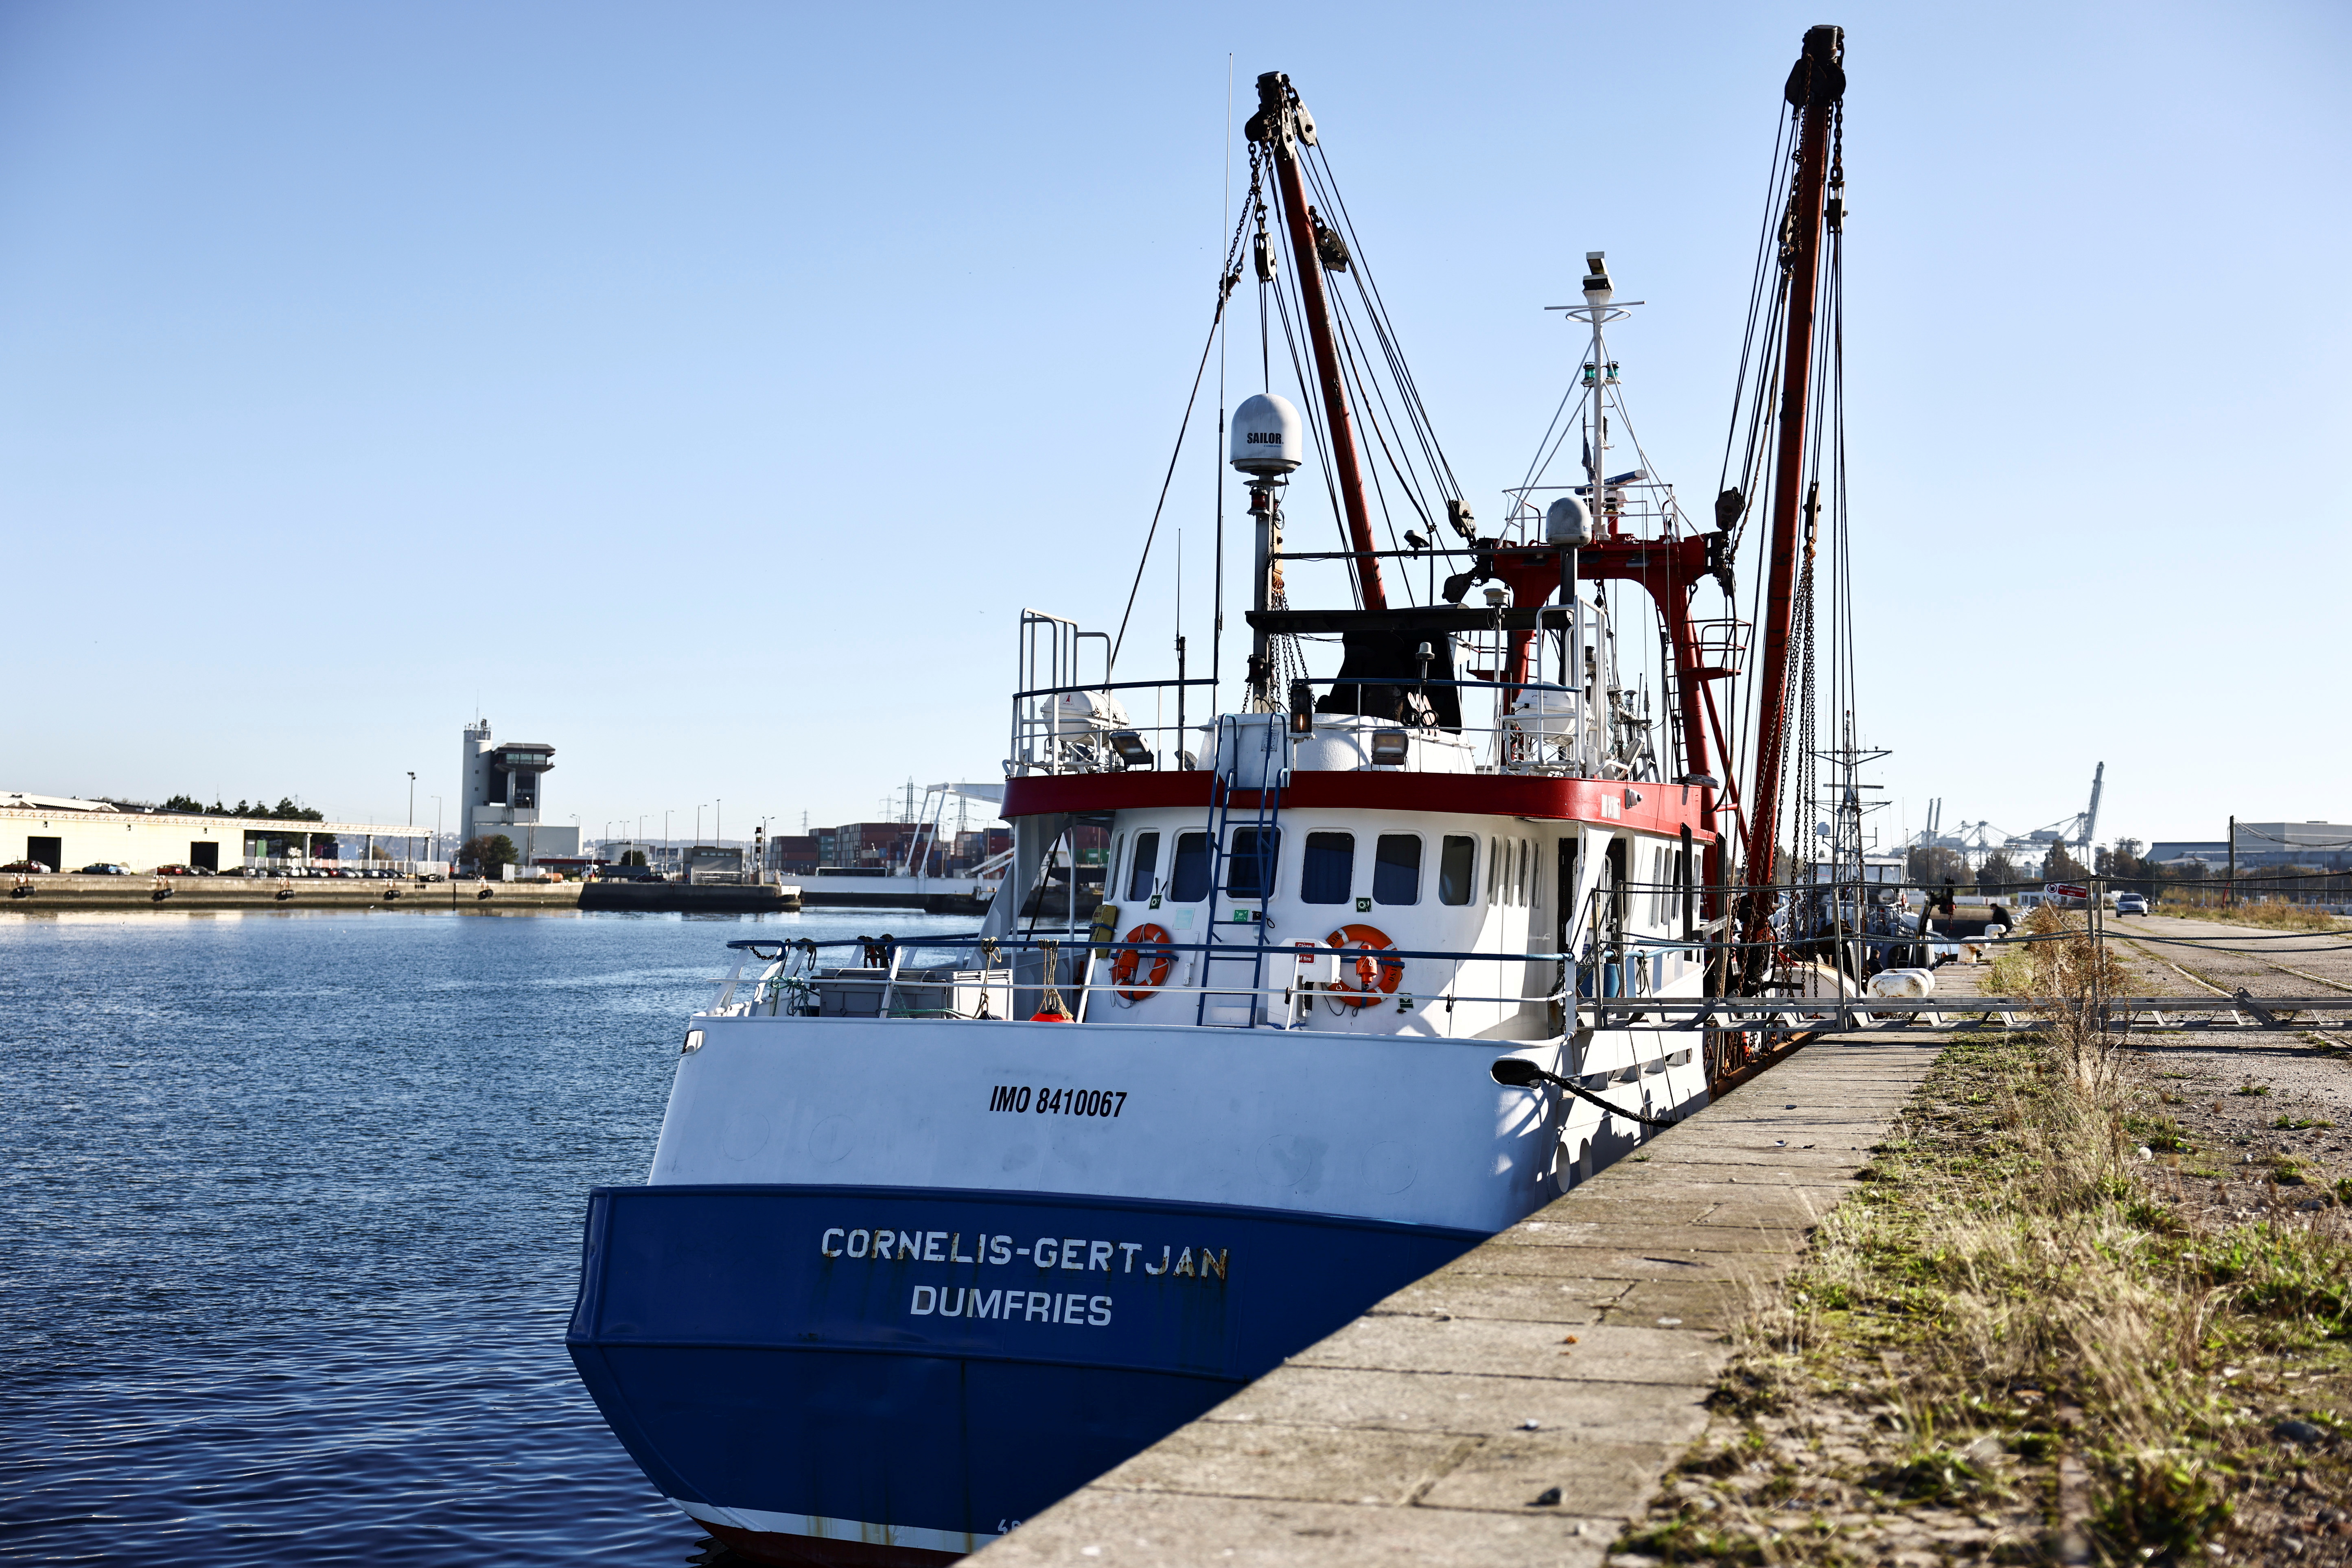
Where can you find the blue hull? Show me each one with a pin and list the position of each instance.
(877, 1375)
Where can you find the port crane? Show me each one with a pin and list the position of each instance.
(1979, 841)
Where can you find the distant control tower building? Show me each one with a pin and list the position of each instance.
(500, 789)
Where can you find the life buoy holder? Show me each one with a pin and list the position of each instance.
(1131, 959)
(1372, 978)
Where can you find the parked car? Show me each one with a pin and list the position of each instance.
(176, 869)
(2131, 904)
(104, 868)
(437, 877)
(27, 866)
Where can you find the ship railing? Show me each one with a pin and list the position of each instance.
(794, 975)
(1097, 735)
(1052, 733)
(1638, 509)
(1720, 645)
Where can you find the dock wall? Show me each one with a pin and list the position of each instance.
(72, 894)
(1522, 1404)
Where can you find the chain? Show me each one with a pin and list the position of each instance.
(1788, 205)
(1051, 1006)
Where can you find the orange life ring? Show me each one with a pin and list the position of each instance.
(1129, 959)
(1375, 977)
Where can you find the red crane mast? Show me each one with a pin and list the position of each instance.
(1815, 88)
(1282, 123)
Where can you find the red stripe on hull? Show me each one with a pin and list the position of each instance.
(1661, 808)
(819, 1552)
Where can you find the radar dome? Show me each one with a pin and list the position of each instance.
(1267, 435)
(1568, 521)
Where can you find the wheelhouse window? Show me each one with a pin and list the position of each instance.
(1494, 888)
(1145, 866)
(1188, 878)
(1326, 872)
(1457, 870)
(1396, 869)
(1249, 872)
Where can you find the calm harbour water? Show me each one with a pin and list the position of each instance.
(292, 1227)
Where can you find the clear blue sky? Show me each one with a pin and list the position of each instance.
(703, 389)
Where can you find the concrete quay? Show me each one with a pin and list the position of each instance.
(70, 894)
(1522, 1404)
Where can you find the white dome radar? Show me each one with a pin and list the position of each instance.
(1267, 437)
(1568, 521)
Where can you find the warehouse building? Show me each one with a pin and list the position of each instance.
(2322, 845)
(67, 834)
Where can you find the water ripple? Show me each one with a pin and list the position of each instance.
(293, 1225)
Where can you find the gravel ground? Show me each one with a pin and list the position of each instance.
(2230, 1092)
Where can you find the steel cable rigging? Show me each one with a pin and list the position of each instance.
(1227, 276)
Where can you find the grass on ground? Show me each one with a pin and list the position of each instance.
(2273, 914)
(2019, 1342)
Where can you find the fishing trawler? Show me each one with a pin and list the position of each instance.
(936, 1231)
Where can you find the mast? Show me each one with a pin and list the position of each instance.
(1282, 122)
(1816, 85)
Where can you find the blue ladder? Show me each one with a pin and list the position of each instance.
(1222, 817)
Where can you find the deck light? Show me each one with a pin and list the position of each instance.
(1130, 748)
(1302, 708)
(1388, 748)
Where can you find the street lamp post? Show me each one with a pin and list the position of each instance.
(412, 818)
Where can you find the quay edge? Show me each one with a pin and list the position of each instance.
(73, 894)
(1525, 1400)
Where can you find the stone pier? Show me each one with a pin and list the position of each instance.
(1523, 1403)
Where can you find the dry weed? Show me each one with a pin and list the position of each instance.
(2273, 914)
(2047, 1358)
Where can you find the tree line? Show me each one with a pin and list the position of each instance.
(2126, 869)
(1937, 866)
(189, 805)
